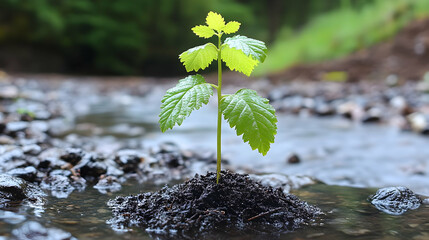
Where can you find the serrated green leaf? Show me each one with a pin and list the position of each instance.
(215, 21)
(250, 47)
(203, 31)
(236, 60)
(231, 27)
(178, 102)
(199, 57)
(252, 116)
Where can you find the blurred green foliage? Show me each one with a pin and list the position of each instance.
(134, 36)
(146, 36)
(341, 32)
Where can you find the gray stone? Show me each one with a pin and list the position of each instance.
(35, 231)
(13, 127)
(9, 92)
(395, 200)
(73, 155)
(32, 149)
(293, 159)
(108, 184)
(28, 173)
(60, 186)
(128, 159)
(91, 167)
(6, 140)
(17, 189)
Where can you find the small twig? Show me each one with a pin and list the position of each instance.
(264, 213)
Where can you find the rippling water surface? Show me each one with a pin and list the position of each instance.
(334, 150)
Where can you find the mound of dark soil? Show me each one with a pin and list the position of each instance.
(200, 206)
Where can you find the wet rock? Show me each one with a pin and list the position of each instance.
(91, 167)
(172, 160)
(6, 140)
(28, 173)
(293, 159)
(39, 126)
(35, 231)
(10, 154)
(51, 153)
(9, 92)
(108, 184)
(59, 126)
(78, 183)
(72, 155)
(350, 110)
(32, 149)
(17, 189)
(61, 172)
(372, 115)
(60, 186)
(113, 171)
(13, 127)
(395, 200)
(419, 122)
(51, 163)
(128, 160)
(322, 109)
(398, 102)
(201, 206)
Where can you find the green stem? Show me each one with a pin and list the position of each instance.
(219, 113)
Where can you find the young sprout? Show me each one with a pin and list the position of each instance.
(251, 115)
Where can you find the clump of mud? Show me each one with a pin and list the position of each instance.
(199, 205)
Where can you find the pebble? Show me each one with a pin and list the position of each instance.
(35, 231)
(418, 121)
(32, 149)
(28, 173)
(108, 184)
(5, 140)
(293, 159)
(13, 127)
(9, 92)
(395, 200)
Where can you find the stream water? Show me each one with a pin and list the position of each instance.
(353, 160)
(348, 216)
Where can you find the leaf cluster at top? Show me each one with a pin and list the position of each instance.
(239, 53)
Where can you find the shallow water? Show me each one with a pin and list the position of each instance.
(334, 150)
(348, 216)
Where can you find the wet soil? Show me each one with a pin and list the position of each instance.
(406, 56)
(200, 206)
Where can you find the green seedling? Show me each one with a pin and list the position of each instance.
(251, 115)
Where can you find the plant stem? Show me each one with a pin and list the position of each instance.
(219, 113)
